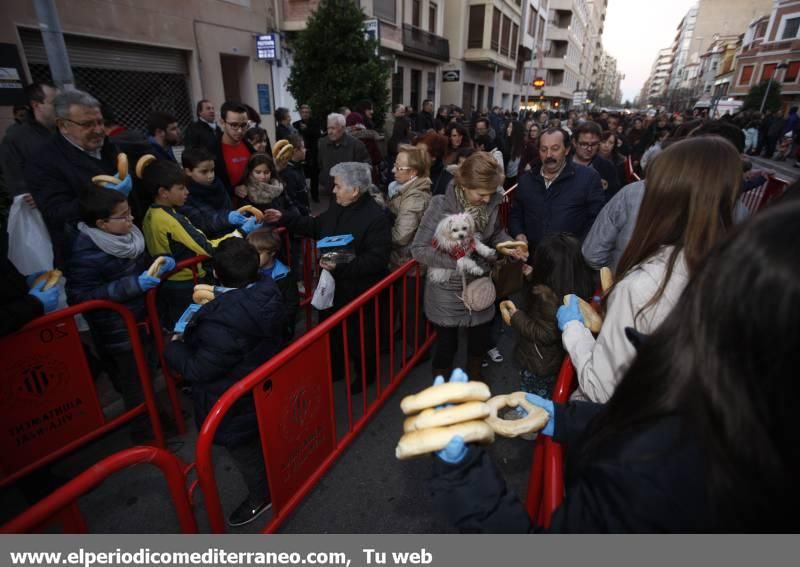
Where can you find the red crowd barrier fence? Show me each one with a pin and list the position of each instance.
(758, 198)
(296, 399)
(546, 481)
(49, 405)
(505, 206)
(61, 506)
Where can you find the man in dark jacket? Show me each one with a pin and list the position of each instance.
(22, 142)
(425, 118)
(357, 213)
(203, 133)
(283, 124)
(338, 147)
(66, 164)
(163, 135)
(226, 340)
(586, 147)
(308, 127)
(561, 197)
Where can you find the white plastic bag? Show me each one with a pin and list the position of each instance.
(323, 295)
(29, 246)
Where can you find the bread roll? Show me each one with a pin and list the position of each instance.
(426, 441)
(203, 293)
(154, 268)
(143, 162)
(535, 420)
(449, 415)
(505, 310)
(101, 180)
(50, 278)
(591, 318)
(447, 393)
(507, 247)
(122, 166)
(253, 211)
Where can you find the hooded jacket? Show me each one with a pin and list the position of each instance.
(539, 347)
(226, 340)
(207, 208)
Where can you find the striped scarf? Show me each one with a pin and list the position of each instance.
(479, 213)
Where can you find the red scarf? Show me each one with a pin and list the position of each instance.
(459, 251)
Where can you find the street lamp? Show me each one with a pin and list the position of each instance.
(781, 65)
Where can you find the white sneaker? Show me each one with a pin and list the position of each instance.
(495, 355)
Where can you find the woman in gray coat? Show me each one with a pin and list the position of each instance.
(474, 191)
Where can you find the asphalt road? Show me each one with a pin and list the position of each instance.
(783, 169)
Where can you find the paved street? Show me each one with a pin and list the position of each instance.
(783, 169)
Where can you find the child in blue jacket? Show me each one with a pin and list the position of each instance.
(109, 261)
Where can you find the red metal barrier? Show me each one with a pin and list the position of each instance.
(61, 506)
(630, 174)
(546, 481)
(758, 198)
(49, 405)
(295, 397)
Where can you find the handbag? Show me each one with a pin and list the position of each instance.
(508, 277)
(479, 294)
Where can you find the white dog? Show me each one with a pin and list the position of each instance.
(455, 235)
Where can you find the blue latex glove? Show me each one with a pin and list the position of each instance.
(250, 225)
(569, 312)
(147, 282)
(49, 298)
(123, 186)
(456, 449)
(546, 405)
(29, 279)
(236, 218)
(167, 266)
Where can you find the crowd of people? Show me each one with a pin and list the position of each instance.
(674, 357)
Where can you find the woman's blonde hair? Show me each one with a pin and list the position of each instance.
(418, 159)
(479, 171)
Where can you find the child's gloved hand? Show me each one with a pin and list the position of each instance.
(251, 225)
(49, 298)
(546, 405)
(167, 266)
(147, 282)
(30, 278)
(123, 186)
(236, 218)
(569, 312)
(456, 449)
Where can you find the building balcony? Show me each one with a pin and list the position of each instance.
(557, 34)
(489, 57)
(425, 44)
(554, 63)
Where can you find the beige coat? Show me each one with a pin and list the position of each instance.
(408, 206)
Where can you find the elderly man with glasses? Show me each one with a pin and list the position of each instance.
(587, 145)
(233, 150)
(65, 165)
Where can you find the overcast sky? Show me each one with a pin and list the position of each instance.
(635, 31)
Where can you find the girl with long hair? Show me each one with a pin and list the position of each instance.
(457, 138)
(700, 435)
(687, 208)
(512, 150)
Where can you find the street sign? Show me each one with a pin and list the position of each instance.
(538, 82)
(578, 98)
(268, 47)
(372, 31)
(451, 76)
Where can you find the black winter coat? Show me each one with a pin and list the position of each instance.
(20, 146)
(208, 207)
(55, 176)
(17, 306)
(200, 135)
(94, 274)
(226, 340)
(372, 233)
(570, 204)
(651, 481)
(294, 182)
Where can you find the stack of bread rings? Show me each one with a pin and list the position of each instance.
(467, 409)
(122, 172)
(507, 248)
(203, 293)
(282, 151)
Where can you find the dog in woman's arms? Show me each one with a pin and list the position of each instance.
(455, 235)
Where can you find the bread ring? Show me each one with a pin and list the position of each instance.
(143, 162)
(505, 310)
(447, 393)
(284, 153)
(426, 441)
(507, 247)
(591, 318)
(50, 278)
(203, 293)
(122, 166)
(449, 415)
(606, 279)
(152, 271)
(253, 211)
(278, 147)
(535, 420)
(101, 180)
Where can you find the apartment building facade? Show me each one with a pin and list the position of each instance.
(143, 56)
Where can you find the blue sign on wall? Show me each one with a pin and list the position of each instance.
(263, 99)
(268, 47)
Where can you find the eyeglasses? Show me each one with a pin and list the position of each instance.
(588, 146)
(86, 124)
(237, 125)
(402, 168)
(126, 217)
